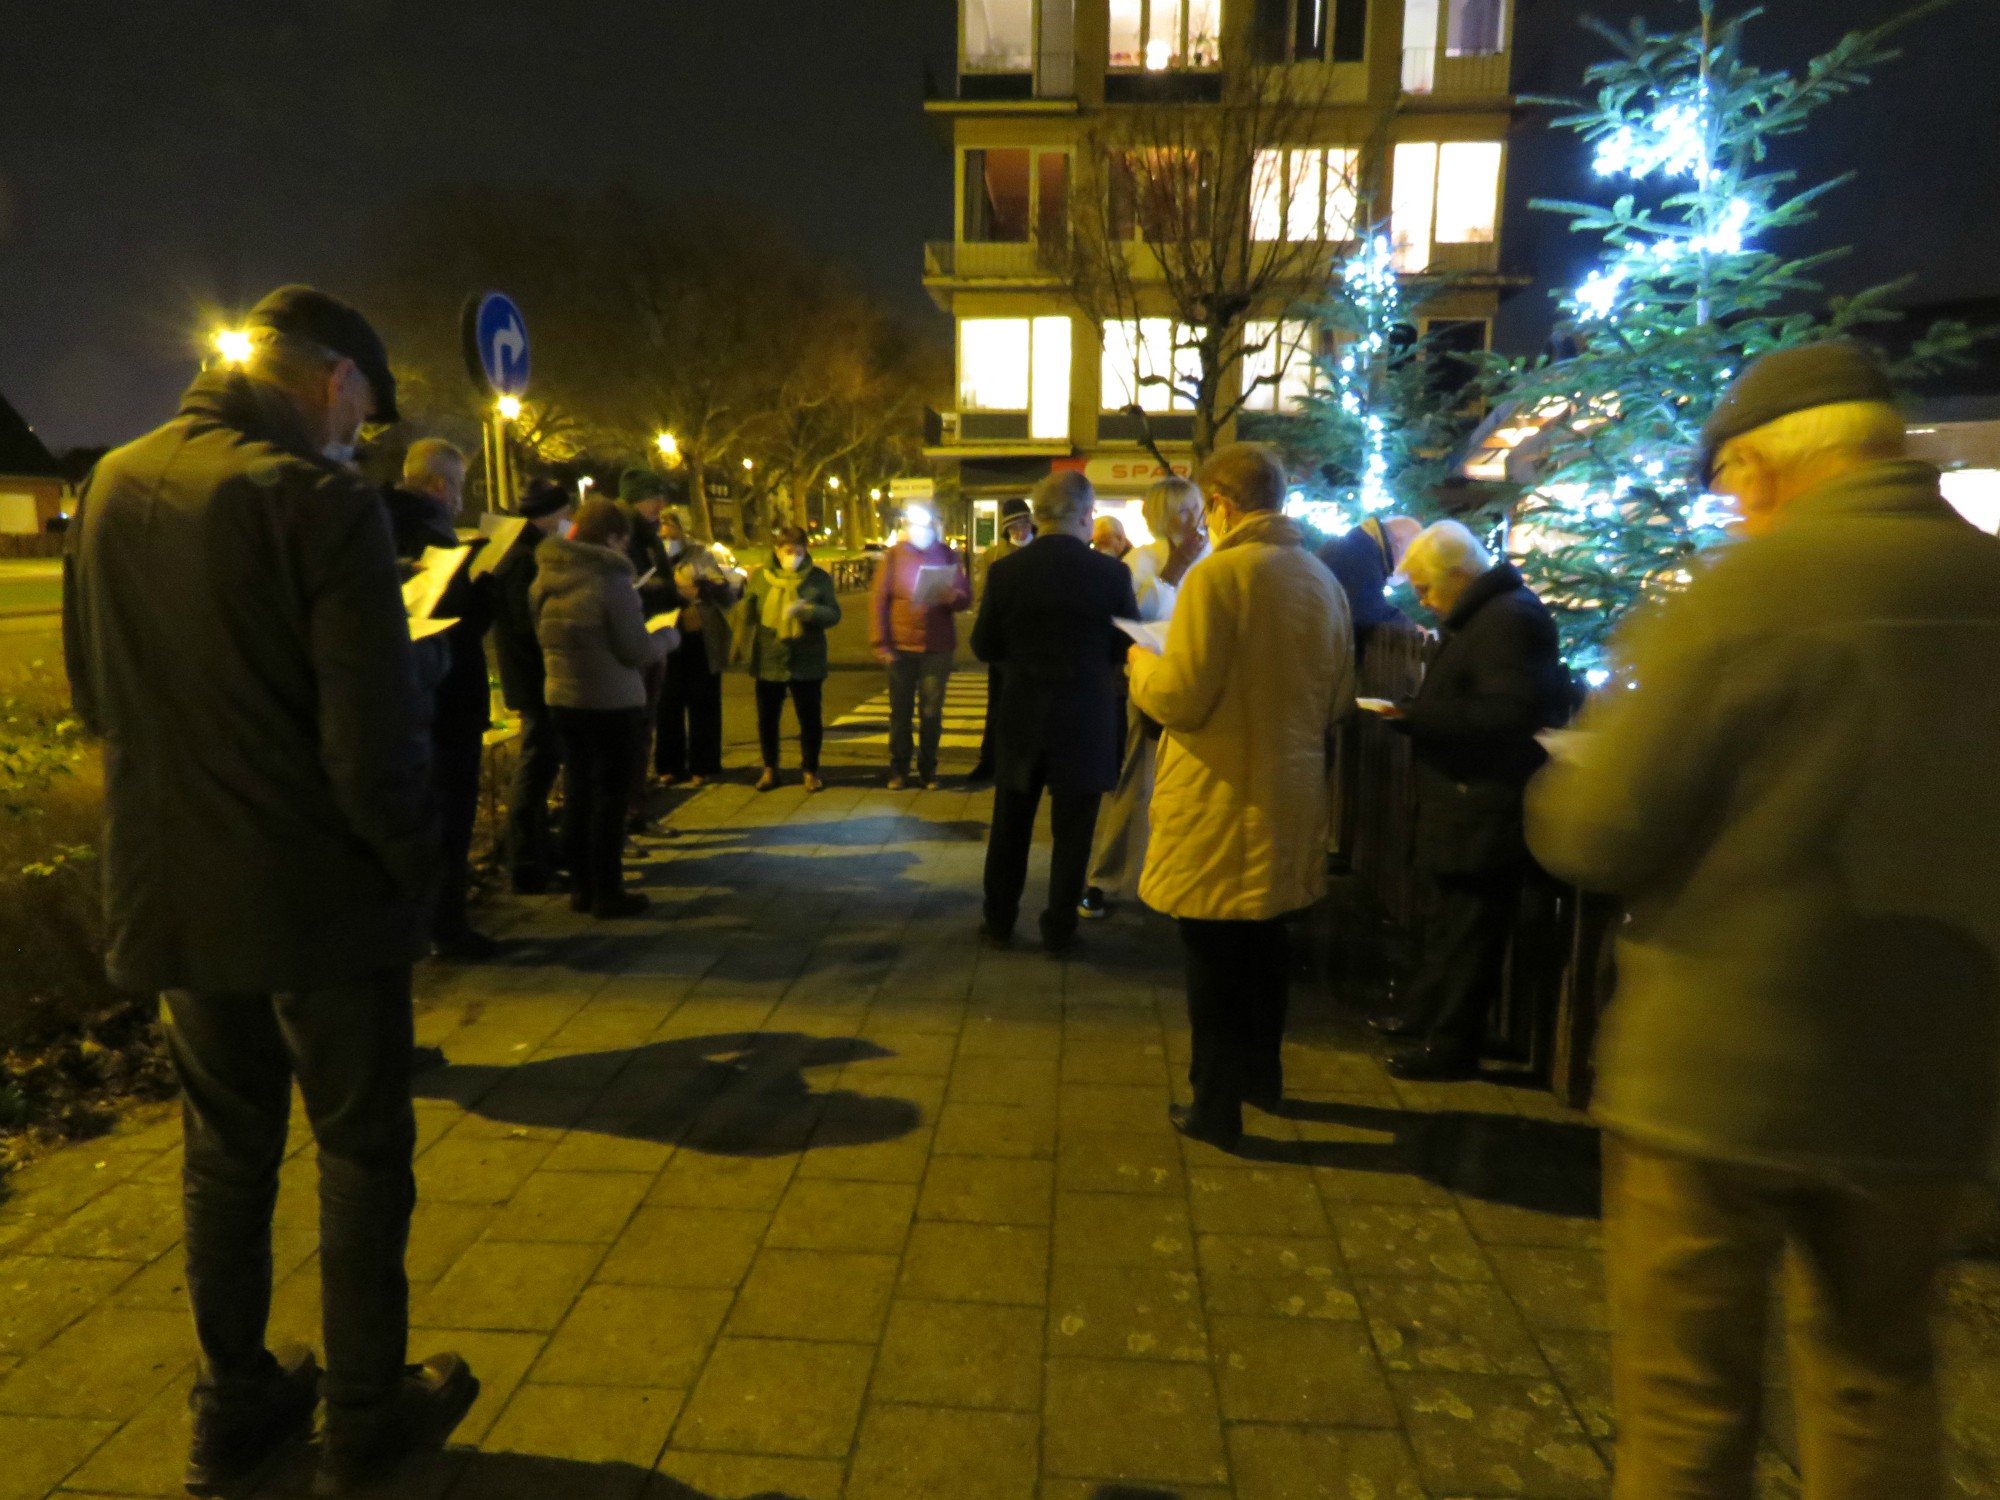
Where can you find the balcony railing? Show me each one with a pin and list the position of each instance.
(949, 260)
(1435, 72)
(1460, 260)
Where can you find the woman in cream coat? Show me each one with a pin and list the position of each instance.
(1259, 668)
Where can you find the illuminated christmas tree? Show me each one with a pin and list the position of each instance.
(1687, 290)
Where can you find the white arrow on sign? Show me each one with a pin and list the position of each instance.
(510, 344)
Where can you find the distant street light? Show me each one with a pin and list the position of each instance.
(669, 445)
(748, 464)
(509, 408)
(233, 344)
(833, 482)
(583, 487)
(874, 494)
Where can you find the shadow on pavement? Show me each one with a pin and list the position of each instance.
(867, 832)
(733, 1094)
(463, 1474)
(1543, 1165)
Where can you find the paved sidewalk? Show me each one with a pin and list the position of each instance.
(789, 1189)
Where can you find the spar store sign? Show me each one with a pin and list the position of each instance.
(1134, 473)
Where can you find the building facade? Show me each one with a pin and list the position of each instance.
(1407, 134)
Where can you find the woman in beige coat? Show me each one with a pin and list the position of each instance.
(1259, 668)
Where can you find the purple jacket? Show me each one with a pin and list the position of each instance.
(898, 622)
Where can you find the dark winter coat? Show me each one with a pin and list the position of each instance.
(1046, 623)
(593, 632)
(515, 647)
(234, 629)
(802, 658)
(464, 698)
(1498, 680)
(1361, 561)
(646, 549)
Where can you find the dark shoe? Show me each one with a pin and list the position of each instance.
(579, 900)
(812, 783)
(1433, 1065)
(232, 1448)
(768, 782)
(467, 947)
(995, 937)
(362, 1449)
(1397, 1026)
(1222, 1137)
(933, 785)
(1057, 937)
(898, 783)
(696, 783)
(1093, 907)
(981, 772)
(624, 904)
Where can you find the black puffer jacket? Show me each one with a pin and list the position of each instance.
(235, 631)
(1497, 681)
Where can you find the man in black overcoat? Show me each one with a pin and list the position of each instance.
(234, 629)
(518, 651)
(1496, 682)
(1046, 623)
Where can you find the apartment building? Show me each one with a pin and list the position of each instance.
(1409, 130)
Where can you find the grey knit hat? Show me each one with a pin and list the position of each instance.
(1792, 380)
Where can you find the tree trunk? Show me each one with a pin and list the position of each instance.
(704, 516)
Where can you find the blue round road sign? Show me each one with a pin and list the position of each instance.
(497, 344)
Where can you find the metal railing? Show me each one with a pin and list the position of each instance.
(1436, 72)
(956, 260)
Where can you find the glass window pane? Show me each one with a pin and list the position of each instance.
(1156, 363)
(1475, 28)
(1296, 374)
(1186, 364)
(1117, 378)
(1204, 33)
(1267, 198)
(1260, 364)
(1000, 36)
(1309, 30)
(993, 364)
(1128, 42)
(1420, 38)
(1468, 192)
(1048, 407)
(1343, 188)
(996, 185)
(1053, 169)
(1302, 201)
(1410, 203)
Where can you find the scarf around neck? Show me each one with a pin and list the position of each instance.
(781, 592)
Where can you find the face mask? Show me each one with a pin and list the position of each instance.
(340, 453)
(922, 537)
(676, 547)
(793, 561)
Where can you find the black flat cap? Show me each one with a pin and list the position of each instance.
(1792, 380)
(544, 498)
(1015, 510)
(310, 315)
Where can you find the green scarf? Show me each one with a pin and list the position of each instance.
(781, 592)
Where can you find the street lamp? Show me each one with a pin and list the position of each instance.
(233, 345)
(748, 464)
(669, 446)
(833, 483)
(509, 408)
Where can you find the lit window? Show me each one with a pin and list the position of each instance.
(1468, 192)
(1137, 359)
(1304, 195)
(1420, 39)
(1017, 365)
(1278, 372)
(1413, 203)
(1048, 403)
(1052, 188)
(1286, 31)
(999, 36)
(994, 364)
(997, 209)
(1159, 194)
(1160, 34)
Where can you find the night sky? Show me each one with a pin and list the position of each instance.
(163, 157)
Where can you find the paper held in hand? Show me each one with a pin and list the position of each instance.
(423, 630)
(1571, 746)
(424, 590)
(934, 586)
(1151, 636)
(1375, 705)
(671, 620)
(499, 541)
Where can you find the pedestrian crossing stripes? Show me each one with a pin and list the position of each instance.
(964, 716)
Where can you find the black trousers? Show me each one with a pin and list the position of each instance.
(458, 752)
(986, 731)
(806, 698)
(1238, 990)
(1073, 816)
(689, 737)
(349, 1046)
(599, 750)
(1467, 920)
(530, 848)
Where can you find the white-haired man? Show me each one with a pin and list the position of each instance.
(1497, 681)
(423, 513)
(1796, 799)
